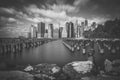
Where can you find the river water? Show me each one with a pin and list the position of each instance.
(53, 52)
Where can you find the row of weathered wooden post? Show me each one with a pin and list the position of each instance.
(17, 45)
(92, 45)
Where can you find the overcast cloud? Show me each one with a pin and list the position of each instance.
(18, 15)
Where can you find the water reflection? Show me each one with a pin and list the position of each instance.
(52, 52)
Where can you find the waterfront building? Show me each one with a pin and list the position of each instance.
(60, 32)
(82, 29)
(86, 22)
(76, 29)
(29, 35)
(67, 29)
(64, 33)
(93, 26)
(70, 30)
(86, 27)
(50, 31)
(33, 32)
(41, 30)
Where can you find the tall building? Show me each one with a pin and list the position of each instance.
(70, 30)
(64, 33)
(50, 31)
(86, 28)
(77, 29)
(56, 33)
(93, 26)
(60, 32)
(82, 29)
(29, 35)
(86, 22)
(67, 29)
(33, 31)
(41, 30)
(46, 33)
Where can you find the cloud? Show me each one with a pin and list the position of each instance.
(14, 31)
(7, 21)
(46, 12)
(80, 2)
(98, 20)
(21, 18)
(54, 14)
(15, 13)
(37, 20)
(60, 1)
(64, 7)
(12, 20)
(7, 10)
(21, 14)
(3, 18)
(58, 13)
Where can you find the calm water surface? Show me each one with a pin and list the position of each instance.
(53, 52)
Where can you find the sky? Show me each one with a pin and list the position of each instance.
(16, 16)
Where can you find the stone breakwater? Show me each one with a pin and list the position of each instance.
(77, 70)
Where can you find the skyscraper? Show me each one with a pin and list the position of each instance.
(41, 29)
(76, 30)
(67, 29)
(46, 33)
(86, 22)
(29, 35)
(86, 27)
(33, 31)
(50, 31)
(82, 29)
(60, 32)
(93, 26)
(71, 30)
(64, 33)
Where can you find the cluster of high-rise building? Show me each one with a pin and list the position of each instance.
(70, 30)
(76, 30)
(41, 31)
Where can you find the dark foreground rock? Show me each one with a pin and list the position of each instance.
(112, 67)
(49, 69)
(46, 71)
(78, 70)
(15, 75)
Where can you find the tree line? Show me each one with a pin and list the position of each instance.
(110, 29)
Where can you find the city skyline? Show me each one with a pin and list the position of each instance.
(16, 16)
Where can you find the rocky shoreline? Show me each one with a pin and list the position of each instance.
(77, 70)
